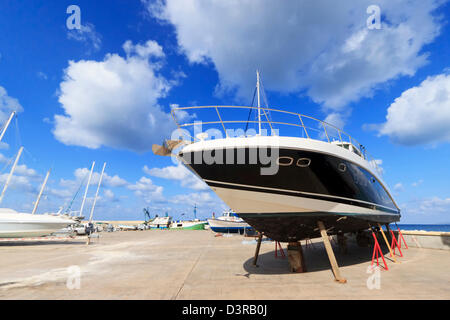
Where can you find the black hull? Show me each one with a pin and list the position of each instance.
(294, 227)
(323, 179)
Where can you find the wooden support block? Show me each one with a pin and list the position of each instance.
(258, 246)
(387, 243)
(295, 257)
(330, 253)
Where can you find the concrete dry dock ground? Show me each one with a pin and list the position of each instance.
(185, 264)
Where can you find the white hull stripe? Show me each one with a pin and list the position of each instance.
(262, 204)
(373, 206)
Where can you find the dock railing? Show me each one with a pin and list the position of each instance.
(308, 127)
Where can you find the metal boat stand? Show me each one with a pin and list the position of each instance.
(400, 237)
(377, 250)
(387, 244)
(394, 242)
(278, 245)
(330, 253)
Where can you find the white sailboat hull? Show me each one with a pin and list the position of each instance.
(22, 225)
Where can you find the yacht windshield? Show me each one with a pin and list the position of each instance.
(350, 147)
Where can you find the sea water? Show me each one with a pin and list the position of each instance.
(424, 227)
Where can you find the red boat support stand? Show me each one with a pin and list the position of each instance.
(377, 251)
(278, 245)
(400, 237)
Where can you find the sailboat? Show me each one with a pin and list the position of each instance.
(285, 186)
(15, 224)
(88, 227)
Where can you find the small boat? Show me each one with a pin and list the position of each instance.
(229, 222)
(20, 225)
(160, 223)
(188, 225)
(195, 224)
(124, 227)
(15, 224)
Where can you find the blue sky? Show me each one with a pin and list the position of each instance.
(104, 92)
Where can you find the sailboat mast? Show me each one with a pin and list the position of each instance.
(11, 173)
(96, 194)
(7, 125)
(40, 193)
(86, 191)
(259, 102)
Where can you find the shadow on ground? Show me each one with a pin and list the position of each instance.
(316, 259)
(445, 240)
(42, 243)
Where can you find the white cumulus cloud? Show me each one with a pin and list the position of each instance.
(107, 180)
(147, 191)
(206, 203)
(23, 179)
(18, 183)
(201, 198)
(87, 35)
(318, 46)
(82, 174)
(421, 115)
(179, 173)
(399, 187)
(429, 206)
(114, 102)
(7, 105)
(417, 183)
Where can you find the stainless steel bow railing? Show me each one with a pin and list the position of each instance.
(322, 130)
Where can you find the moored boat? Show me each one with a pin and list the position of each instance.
(188, 225)
(160, 223)
(229, 222)
(21, 225)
